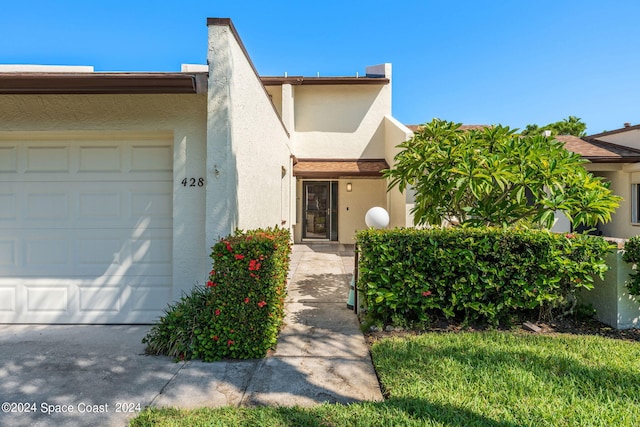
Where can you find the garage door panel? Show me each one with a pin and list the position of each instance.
(7, 299)
(47, 298)
(8, 253)
(100, 158)
(44, 205)
(8, 205)
(85, 230)
(99, 205)
(50, 159)
(9, 158)
(100, 299)
(47, 255)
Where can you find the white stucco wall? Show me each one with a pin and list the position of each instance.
(340, 121)
(183, 116)
(247, 144)
(395, 134)
(353, 206)
(610, 297)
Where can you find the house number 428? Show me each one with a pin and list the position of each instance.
(193, 182)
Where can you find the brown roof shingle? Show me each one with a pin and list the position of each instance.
(337, 168)
(599, 151)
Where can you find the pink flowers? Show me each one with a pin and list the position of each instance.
(426, 293)
(262, 304)
(246, 300)
(217, 312)
(239, 256)
(570, 236)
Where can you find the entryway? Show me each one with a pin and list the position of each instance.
(320, 208)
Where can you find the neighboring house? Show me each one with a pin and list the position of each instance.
(114, 186)
(615, 156)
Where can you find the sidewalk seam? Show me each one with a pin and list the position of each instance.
(167, 384)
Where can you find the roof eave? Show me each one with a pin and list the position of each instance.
(323, 81)
(102, 83)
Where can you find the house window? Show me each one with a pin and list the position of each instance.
(635, 203)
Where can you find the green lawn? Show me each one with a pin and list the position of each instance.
(497, 379)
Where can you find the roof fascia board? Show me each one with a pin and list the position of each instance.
(100, 83)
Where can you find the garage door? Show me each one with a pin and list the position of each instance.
(85, 229)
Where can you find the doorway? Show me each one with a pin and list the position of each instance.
(320, 210)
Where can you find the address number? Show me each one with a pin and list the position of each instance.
(193, 182)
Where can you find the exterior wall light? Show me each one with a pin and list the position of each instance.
(349, 187)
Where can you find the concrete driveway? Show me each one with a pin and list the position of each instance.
(87, 375)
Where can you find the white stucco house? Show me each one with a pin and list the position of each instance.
(615, 156)
(114, 186)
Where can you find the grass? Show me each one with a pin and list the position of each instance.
(495, 379)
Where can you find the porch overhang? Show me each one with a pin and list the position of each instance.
(339, 168)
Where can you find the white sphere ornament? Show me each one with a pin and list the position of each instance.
(377, 217)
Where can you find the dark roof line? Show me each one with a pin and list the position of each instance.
(102, 83)
(301, 80)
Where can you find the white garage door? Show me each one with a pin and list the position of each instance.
(85, 229)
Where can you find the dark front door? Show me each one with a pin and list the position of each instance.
(320, 210)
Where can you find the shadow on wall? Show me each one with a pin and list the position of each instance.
(333, 108)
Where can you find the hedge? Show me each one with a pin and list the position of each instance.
(483, 275)
(238, 313)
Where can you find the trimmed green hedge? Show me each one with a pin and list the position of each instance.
(476, 275)
(239, 312)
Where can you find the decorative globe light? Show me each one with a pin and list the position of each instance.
(377, 217)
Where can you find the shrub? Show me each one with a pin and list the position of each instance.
(632, 255)
(478, 275)
(239, 312)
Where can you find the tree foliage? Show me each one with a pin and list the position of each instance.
(495, 177)
(572, 125)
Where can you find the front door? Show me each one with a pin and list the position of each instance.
(320, 210)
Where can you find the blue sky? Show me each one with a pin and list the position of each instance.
(476, 62)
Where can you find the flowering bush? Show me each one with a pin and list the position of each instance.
(485, 275)
(239, 312)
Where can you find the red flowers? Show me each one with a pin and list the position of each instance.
(254, 265)
(246, 300)
(239, 256)
(215, 338)
(217, 312)
(570, 236)
(262, 304)
(230, 342)
(210, 284)
(426, 293)
(229, 248)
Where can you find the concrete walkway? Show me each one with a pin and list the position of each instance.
(101, 374)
